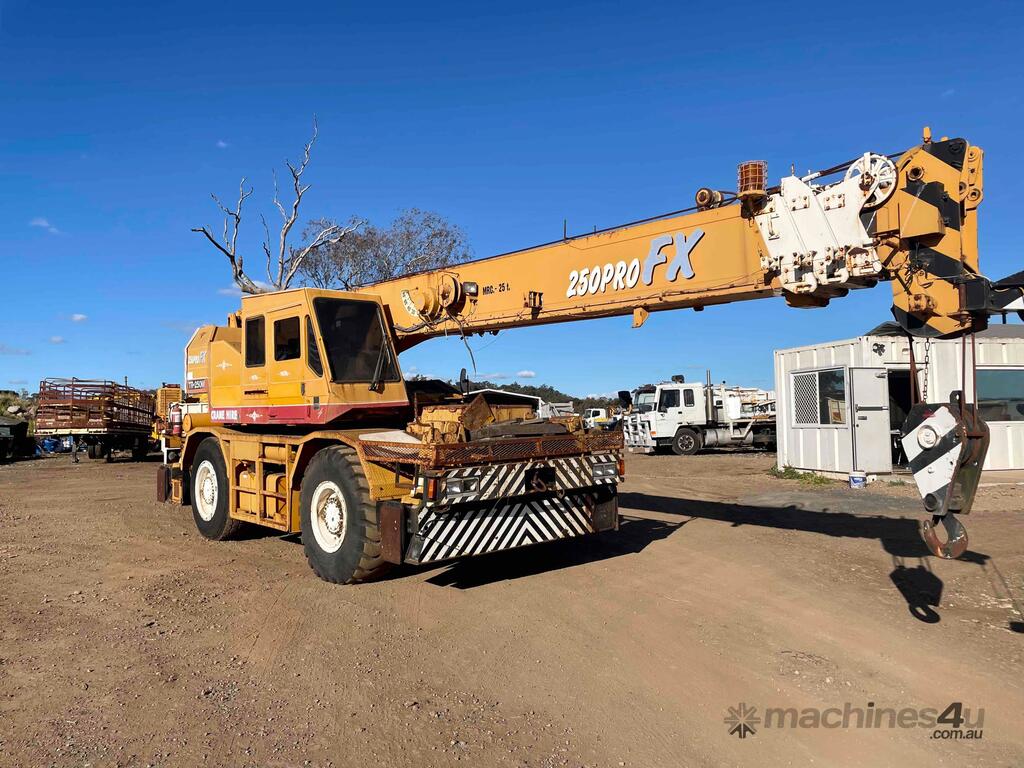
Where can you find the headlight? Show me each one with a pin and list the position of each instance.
(462, 485)
(605, 470)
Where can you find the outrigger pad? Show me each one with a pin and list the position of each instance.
(946, 445)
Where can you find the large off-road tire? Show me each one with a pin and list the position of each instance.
(340, 529)
(686, 442)
(210, 492)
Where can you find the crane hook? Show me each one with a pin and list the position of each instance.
(956, 536)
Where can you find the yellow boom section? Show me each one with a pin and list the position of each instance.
(910, 221)
(703, 258)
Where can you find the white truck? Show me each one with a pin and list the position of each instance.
(687, 417)
(594, 418)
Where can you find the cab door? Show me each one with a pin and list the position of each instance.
(285, 372)
(668, 411)
(254, 373)
(692, 408)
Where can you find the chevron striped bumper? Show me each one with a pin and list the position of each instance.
(479, 528)
(491, 507)
(492, 482)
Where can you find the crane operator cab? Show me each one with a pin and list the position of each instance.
(303, 356)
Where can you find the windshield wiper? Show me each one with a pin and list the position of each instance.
(378, 369)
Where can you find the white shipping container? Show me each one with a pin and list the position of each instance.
(840, 403)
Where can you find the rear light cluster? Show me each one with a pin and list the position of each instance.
(461, 486)
(434, 487)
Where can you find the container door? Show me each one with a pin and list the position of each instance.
(872, 440)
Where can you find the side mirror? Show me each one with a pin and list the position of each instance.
(463, 382)
(625, 399)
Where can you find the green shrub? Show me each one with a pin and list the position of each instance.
(789, 473)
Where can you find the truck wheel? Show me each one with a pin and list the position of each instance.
(340, 530)
(210, 492)
(92, 451)
(141, 449)
(686, 442)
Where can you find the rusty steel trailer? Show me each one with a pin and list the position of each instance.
(101, 415)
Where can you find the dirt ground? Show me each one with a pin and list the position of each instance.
(128, 640)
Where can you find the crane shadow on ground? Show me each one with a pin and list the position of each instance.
(633, 536)
(900, 537)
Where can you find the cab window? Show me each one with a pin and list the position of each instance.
(669, 398)
(287, 342)
(688, 398)
(312, 350)
(355, 342)
(255, 342)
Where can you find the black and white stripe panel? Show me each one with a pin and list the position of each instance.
(933, 447)
(463, 531)
(498, 481)
(1011, 300)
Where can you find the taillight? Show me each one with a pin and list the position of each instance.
(622, 466)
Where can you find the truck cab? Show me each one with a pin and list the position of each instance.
(658, 414)
(687, 417)
(594, 417)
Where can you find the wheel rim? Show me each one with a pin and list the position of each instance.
(686, 442)
(206, 491)
(329, 516)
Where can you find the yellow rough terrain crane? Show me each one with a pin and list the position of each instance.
(297, 417)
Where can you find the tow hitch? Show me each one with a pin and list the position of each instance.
(946, 444)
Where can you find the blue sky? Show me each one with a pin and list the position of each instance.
(119, 119)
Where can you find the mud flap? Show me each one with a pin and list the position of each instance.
(391, 519)
(163, 483)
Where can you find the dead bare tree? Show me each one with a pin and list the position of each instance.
(416, 240)
(285, 261)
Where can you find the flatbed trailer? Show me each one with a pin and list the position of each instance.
(101, 416)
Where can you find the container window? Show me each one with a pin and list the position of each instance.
(255, 342)
(832, 396)
(819, 397)
(1001, 394)
(287, 343)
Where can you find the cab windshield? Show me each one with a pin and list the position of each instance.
(645, 402)
(354, 340)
